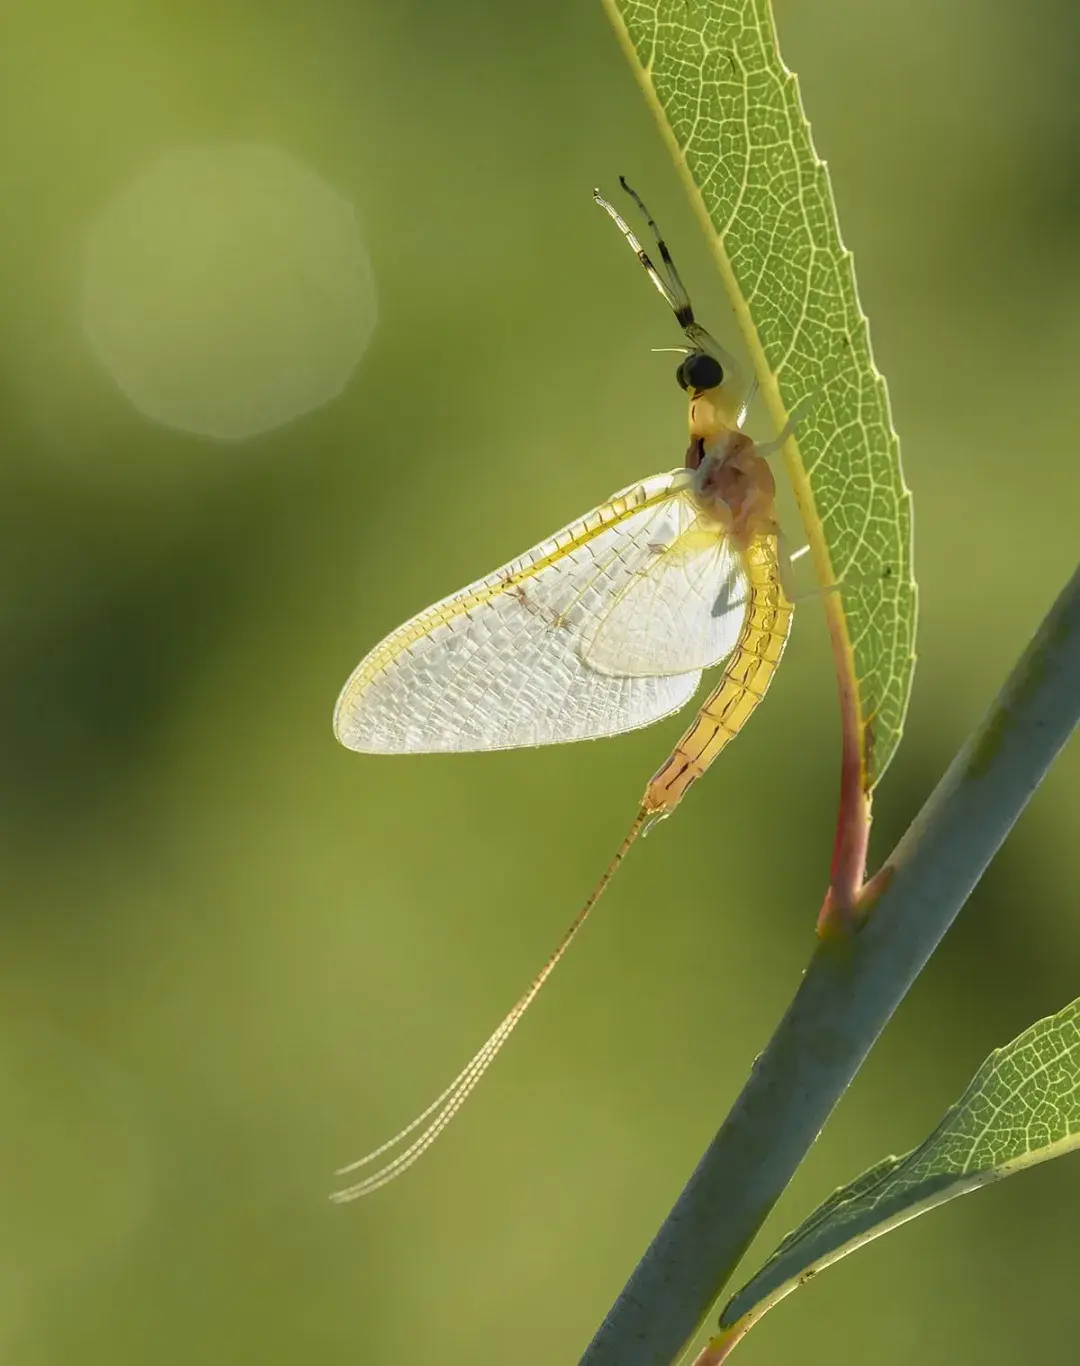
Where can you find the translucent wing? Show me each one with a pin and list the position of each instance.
(684, 610)
(503, 663)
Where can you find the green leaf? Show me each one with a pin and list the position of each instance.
(1022, 1107)
(731, 113)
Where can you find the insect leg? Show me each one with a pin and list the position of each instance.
(670, 284)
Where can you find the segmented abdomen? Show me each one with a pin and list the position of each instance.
(746, 676)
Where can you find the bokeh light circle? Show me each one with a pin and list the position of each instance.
(227, 289)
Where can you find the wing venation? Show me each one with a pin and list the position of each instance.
(506, 662)
(683, 610)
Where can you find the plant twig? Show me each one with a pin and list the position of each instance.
(848, 868)
(849, 992)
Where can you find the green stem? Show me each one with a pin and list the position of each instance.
(848, 994)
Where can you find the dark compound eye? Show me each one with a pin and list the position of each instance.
(699, 371)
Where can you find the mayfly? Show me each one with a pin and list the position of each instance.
(603, 628)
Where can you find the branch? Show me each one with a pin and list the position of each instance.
(846, 997)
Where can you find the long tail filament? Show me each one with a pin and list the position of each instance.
(443, 1109)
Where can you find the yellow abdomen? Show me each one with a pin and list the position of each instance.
(746, 676)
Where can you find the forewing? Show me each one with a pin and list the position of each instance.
(502, 663)
(682, 610)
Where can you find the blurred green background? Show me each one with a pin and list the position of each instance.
(236, 955)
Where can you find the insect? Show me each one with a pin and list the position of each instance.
(603, 628)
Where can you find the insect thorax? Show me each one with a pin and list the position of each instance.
(734, 484)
